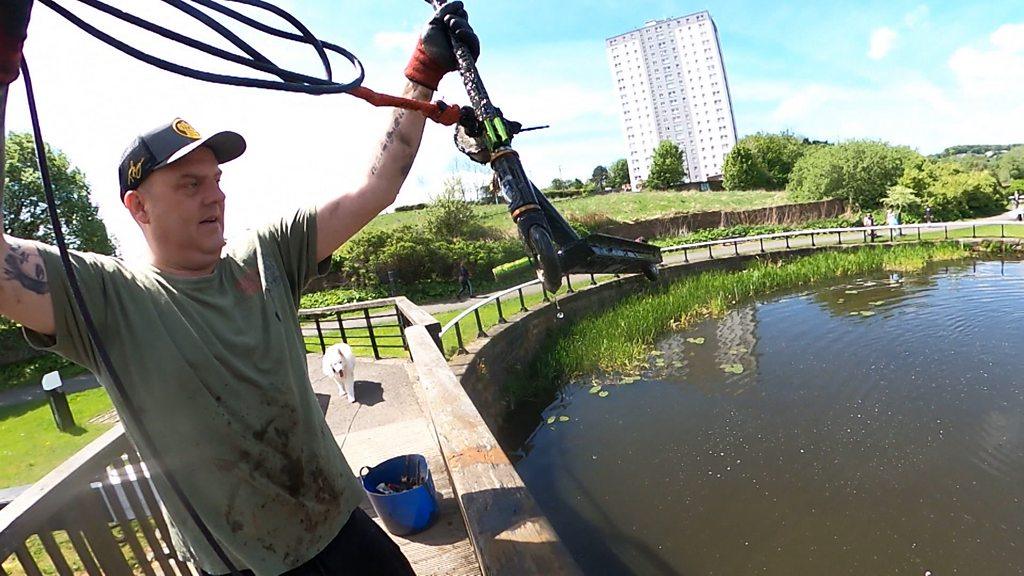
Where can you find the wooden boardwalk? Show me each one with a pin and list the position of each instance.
(388, 420)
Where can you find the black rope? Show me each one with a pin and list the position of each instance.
(289, 81)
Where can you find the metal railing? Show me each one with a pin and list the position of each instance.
(853, 235)
(363, 324)
(97, 513)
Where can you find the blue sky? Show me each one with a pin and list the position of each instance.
(923, 74)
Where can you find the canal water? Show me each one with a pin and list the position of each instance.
(873, 426)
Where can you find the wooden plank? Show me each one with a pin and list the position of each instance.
(152, 501)
(2, 571)
(126, 525)
(155, 545)
(96, 528)
(510, 533)
(28, 563)
(55, 554)
(84, 553)
(57, 490)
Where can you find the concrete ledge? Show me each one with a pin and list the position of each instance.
(510, 533)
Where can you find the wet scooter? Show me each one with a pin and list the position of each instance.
(485, 135)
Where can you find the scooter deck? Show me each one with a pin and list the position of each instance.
(603, 254)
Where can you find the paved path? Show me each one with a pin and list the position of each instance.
(22, 395)
(388, 420)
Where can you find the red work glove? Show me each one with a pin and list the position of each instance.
(434, 56)
(14, 16)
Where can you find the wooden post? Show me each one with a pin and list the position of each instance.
(320, 335)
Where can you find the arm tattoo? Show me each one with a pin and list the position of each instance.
(389, 139)
(20, 267)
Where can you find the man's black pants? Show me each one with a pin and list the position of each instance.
(361, 547)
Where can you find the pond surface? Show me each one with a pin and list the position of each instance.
(870, 427)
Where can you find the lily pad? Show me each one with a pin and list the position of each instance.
(595, 389)
(733, 368)
(841, 301)
(603, 393)
(877, 302)
(656, 352)
(659, 362)
(677, 364)
(867, 313)
(551, 419)
(853, 291)
(854, 313)
(563, 418)
(698, 340)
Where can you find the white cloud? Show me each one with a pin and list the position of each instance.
(1009, 38)
(917, 17)
(882, 40)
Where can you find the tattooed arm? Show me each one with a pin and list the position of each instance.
(339, 219)
(24, 289)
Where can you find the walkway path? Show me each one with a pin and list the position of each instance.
(388, 420)
(32, 393)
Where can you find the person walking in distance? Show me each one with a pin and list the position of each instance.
(464, 284)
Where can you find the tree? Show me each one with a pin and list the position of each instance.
(762, 161)
(25, 211)
(559, 184)
(903, 200)
(860, 171)
(618, 173)
(599, 178)
(666, 167)
(1010, 166)
(742, 171)
(450, 215)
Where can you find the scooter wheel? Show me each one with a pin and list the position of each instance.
(651, 272)
(550, 270)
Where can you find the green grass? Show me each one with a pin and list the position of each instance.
(620, 337)
(31, 446)
(622, 206)
(30, 372)
(980, 231)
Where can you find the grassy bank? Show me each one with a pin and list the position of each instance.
(620, 338)
(622, 206)
(31, 446)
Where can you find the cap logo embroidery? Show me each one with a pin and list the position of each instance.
(186, 129)
(134, 171)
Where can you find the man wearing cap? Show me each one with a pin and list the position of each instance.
(207, 340)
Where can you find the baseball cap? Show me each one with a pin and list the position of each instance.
(168, 143)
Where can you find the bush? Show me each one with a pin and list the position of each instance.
(567, 193)
(860, 171)
(419, 256)
(411, 208)
(514, 270)
(337, 297)
(762, 162)
(952, 192)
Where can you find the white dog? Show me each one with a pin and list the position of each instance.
(339, 364)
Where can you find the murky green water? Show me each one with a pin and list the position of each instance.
(873, 427)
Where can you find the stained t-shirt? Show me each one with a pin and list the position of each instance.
(216, 367)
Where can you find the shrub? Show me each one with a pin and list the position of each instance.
(521, 268)
(860, 171)
(762, 162)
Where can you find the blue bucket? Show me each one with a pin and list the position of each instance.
(405, 512)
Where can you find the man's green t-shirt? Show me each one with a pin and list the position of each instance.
(216, 367)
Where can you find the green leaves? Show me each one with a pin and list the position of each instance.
(594, 389)
(667, 168)
(699, 340)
